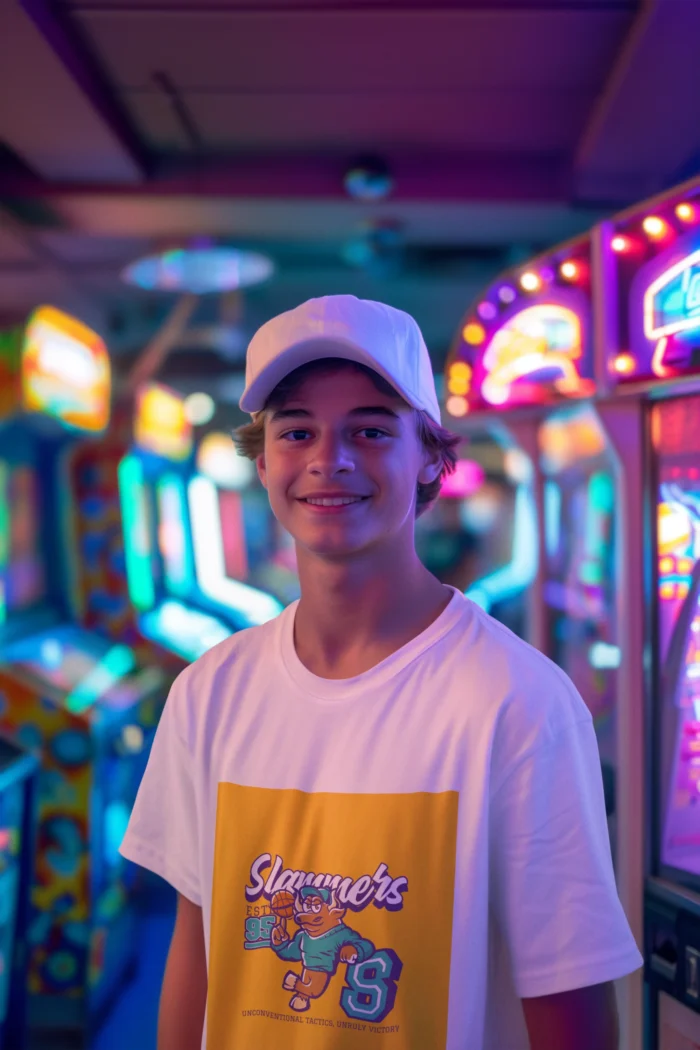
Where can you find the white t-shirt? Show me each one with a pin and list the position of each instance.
(390, 860)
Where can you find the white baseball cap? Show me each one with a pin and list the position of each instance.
(384, 339)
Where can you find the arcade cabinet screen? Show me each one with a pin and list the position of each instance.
(233, 535)
(22, 573)
(676, 437)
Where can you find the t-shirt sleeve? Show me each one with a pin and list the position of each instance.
(163, 834)
(552, 882)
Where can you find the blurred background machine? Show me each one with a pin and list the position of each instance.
(186, 552)
(649, 259)
(81, 702)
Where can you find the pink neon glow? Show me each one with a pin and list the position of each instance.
(467, 479)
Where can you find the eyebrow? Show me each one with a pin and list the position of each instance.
(303, 413)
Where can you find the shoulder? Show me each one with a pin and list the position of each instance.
(215, 675)
(531, 700)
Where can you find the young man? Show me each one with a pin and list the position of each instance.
(382, 811)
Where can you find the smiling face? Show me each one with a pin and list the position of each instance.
(341, 465)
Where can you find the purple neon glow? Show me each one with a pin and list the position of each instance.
(486, 310)
(467, 479)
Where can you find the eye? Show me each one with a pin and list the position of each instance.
(294, 435)
(373, 433)
(316, 908)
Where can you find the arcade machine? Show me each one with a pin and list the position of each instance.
(80, 701)
(650, 258)
(17, 833)
(174, 610)
(236, 537)
(524, 362)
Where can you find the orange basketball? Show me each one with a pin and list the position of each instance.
(282, 904)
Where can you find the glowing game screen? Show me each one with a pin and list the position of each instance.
(676, 440)
(161, 426)
(528, 341)
(22, 572)
(654, 314)
(65, 371)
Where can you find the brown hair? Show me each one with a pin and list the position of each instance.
(250, 438)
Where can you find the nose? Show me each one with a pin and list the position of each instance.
(330, 456)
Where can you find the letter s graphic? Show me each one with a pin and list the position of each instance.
(370, 992)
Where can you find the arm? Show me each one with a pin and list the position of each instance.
(184, 994)
(576, 1020)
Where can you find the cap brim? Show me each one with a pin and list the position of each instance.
(255, 396)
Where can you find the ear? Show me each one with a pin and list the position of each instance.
(430, 469)
(261, 468)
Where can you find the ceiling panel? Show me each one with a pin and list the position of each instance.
(341, 51)
(321, 221)
(520, 121)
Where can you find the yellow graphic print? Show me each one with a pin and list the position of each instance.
(331, 920)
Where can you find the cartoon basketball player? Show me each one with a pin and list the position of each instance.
(321, 944)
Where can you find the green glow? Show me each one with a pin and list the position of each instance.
(137, 534)
(172, 514)
(119, 661)
(4, 537)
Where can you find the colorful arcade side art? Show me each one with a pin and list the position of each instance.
(17, 841)
(81, 702)
(528, 339)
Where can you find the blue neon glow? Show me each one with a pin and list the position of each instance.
(520, 572)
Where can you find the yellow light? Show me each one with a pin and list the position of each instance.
(685, 212)
(654, 227)
(569, 270)
(666, 566)
(530, 281)
(682, 590)
(474, 333)
(685, 565)
(460, 370)
(620, 244)
(624, 364)
(457, 406)
(666, 590)
(458, 385)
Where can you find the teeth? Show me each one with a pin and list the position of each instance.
(334, 502)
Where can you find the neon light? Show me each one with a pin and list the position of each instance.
(458, 385)
(522, 568)
(161, 424)
(467, 478)
(188, 632)
(218, 460)
(657, 362)
(118, 662)
(506, 294)
(172, 534)
(474, 334)
(685, 212)
(137, 533)
(460, 369)
(624, 364)
(457, 406)
(672, 301)
(254, 605)
(530, 281)
(200, 408)
(543, 338)
(654, 227)
(569, 270)
(620, 244)
(486, 310)
(65, 371)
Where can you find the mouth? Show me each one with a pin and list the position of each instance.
(332, 504)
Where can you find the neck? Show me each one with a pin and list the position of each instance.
(353, 615)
